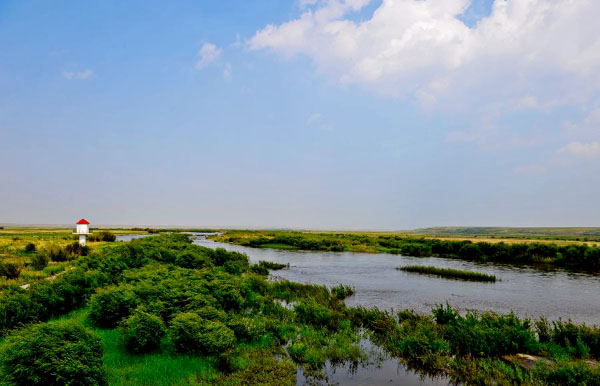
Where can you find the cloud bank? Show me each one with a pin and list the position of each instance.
(527, 54)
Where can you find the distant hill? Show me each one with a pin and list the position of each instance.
(507, 232)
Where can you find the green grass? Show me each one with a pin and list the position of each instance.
(278, 246)
(159, 368)
(449, 273)
(155, 369)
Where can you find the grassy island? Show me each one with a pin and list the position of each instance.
(449, 273)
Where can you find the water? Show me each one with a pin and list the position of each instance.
(379, 369)
(527, 291)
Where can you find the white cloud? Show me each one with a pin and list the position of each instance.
(312, 118)
(207, 54)
(227, 71)
(528, 54)
(582, 149)
(78, 75)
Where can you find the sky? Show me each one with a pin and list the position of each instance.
(320, 114)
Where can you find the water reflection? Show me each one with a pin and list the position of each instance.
(378, 369)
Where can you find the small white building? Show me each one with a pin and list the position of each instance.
(82, 229)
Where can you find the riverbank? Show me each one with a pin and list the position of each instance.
(577, 256)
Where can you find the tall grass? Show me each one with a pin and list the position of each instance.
(449, 273)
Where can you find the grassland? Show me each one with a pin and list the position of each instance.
(449, 273)
(513, 233)
(161, 311)
(577, 255)
(14, 240)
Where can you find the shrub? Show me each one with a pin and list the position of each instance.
(444, 315)
(490, 335)
(29, 248)
(110, 305)
(39, 261)
(313, 313)
(55, 253)
(76, 250)
(247, 328)
(191, 334)
(342, 291)
(57, 353)
(572, 374)
(16, 308)
(107, 236)
(192, 260)
(141, 332)
(10, 270)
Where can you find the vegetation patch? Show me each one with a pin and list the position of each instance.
(168, 312)
(449, 273)
(57, 353)
(578, 256)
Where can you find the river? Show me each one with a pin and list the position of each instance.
(527, 291)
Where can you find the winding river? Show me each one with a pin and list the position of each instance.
(526, 291)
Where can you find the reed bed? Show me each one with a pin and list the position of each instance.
(449, 273)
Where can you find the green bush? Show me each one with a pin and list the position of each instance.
(141, 332)
(310, 312)
(10, 270)
(490, 335)
(55, 253)
(75, 250)
(342, 291)
(57, 353)
(190, 333)
(39, 261)
(30, 248)
(247, 328)
(574, 374)
(110, 305)
(192, 260)
(106, 236)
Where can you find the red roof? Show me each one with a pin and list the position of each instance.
(83, 221)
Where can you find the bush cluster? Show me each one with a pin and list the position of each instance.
(46, 299)
(102, 236)
(57, 353)
(142, 332)
(10, 270)
(39, 261)
(192, 334)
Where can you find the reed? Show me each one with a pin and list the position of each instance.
(449, 273)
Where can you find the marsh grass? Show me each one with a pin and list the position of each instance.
(449, 273)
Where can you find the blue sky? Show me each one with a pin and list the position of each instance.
(351, 114)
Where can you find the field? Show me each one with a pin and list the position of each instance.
(161, 311)
(576, 255)
(13, 249)
(518, 234)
